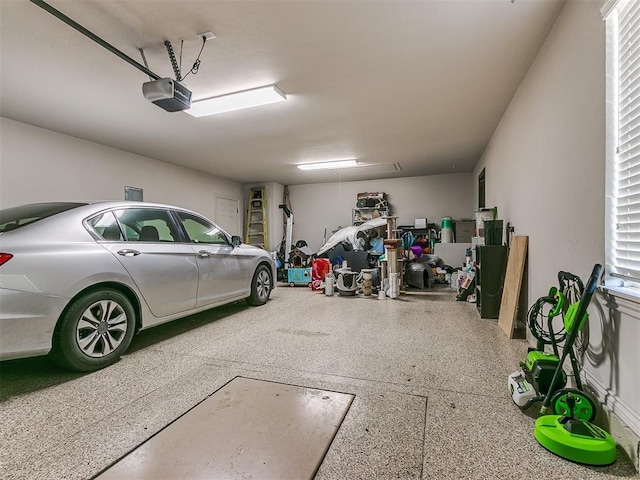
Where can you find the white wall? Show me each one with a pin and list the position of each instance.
(545, 170)
(329, 205)
(38, 165)
(545, 162)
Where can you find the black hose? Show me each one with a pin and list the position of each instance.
(537, 319)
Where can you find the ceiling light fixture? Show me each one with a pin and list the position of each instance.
(236, 101)
(329, 165)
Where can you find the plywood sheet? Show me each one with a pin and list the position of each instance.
(247, 429)
(512, 284)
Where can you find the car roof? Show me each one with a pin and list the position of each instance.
(85, 210)
(131, 203)
(96, 206)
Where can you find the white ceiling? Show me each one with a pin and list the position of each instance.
(418, 83)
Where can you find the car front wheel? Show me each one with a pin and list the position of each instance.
(261, 286)
(95, 331)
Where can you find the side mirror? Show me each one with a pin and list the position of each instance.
(236, 240)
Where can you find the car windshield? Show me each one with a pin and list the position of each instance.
(16, 217)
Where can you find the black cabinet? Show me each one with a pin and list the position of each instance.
(491, 265)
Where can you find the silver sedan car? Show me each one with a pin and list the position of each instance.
(79, 280)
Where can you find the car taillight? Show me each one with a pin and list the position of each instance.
(5, 257)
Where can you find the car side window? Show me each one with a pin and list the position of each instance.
(106, 225)
(147, 225)
(201, 230)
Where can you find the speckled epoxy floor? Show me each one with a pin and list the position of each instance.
(428, 375)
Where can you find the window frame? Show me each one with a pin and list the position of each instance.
(176, 213)
(614, 231)
(20, 216)
(100, 236)
(175, 229)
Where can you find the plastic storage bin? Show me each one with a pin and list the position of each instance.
(493, 232)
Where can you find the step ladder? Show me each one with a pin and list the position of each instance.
(256, 232)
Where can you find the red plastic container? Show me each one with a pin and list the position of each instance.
(319, 268)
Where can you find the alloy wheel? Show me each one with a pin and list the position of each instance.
(101, 328)
(263, 284)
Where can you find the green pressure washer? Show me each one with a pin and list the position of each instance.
(533, 382)
(569, 432)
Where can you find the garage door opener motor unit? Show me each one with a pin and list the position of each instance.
(167, 94)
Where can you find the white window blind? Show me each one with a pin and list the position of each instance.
(626, 238)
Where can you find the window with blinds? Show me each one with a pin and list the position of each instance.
(624, 46)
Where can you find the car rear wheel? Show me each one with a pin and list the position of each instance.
(95, 331)
(261, 286)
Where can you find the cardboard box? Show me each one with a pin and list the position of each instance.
(464, 230)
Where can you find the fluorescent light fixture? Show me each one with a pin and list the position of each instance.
(329, 165)
(236, 101)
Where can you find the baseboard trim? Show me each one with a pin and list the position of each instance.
(619, 419)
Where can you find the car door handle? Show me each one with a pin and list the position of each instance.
(127, 252)
(204, 254)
